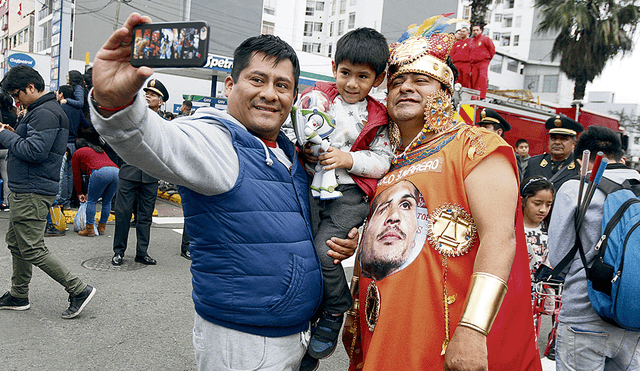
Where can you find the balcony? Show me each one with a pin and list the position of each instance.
(44, 12)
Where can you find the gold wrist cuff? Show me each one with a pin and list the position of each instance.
(483, 303)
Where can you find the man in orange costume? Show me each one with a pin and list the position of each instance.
(461, 57)
(464, 302)
(481, 51)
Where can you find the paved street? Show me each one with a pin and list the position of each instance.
(140, 319)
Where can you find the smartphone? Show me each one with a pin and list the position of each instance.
(171, 44)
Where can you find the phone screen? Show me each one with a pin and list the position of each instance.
(175, 44)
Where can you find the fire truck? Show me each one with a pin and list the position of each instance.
(525, 116)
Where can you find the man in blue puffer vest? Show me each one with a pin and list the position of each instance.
(256, 276)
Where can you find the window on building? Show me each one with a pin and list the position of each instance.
(306, 47)
(487, 17)
(343, 6)
(519, 21)
(508, 21)
(331, 29)
(531, 83)
(353, 2)
(317, 26)
(268, 10)
(496, 36)
(315, 47)
(516, 40)
(509, 4)
(20, 39)
(496, 64)
(506, 39)
(308, 28)
(512, 65)
(340, 27)
(311, 6)
(320, 6)
(267, 28)
(466, 12)
(333, 7)
(329, 50)
(550, 83)
(352, 20)
(498, 18)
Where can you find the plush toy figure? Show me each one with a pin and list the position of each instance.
(312, 123)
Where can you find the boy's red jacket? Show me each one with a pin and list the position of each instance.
(377, 117)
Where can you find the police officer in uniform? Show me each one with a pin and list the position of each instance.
(156, 94)
(492, 121)
(559, 164)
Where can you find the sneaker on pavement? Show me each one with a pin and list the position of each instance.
(9, 302)
(325, 337)
(52, 231)
(78, 302)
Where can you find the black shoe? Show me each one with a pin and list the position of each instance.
(9, 302)
(4, 207)
(52, 231)
(78, 302)
(309, 363)
(186, 255)
(146, 260)
(117, 259)
(325, 337)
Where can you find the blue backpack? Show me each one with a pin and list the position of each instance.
(614, 276)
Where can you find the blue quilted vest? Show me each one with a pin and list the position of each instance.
(254, 265)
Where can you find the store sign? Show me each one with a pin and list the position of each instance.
(219, 63)
(19, 58)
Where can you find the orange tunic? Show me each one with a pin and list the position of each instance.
(411, 325)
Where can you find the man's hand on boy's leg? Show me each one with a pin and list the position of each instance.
(335, 158)
(307, 154)
(343, 248)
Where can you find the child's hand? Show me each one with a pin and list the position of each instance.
(334, 158)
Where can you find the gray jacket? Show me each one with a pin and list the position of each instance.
(576, 307)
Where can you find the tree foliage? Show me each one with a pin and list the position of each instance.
(590, 34)
(479, 12)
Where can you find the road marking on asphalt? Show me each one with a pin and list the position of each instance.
(168, 220)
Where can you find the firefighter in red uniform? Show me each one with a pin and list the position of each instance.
(461, 58)
(481, 51)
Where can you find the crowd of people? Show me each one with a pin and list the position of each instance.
(456, 221)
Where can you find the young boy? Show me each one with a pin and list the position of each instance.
(361, 153)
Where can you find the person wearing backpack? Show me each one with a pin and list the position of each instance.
(585, 341)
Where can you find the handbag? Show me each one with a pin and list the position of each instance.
(58, 218)
(351, 335)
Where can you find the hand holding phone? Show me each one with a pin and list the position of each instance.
(172, 44)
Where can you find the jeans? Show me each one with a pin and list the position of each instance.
(222, 349)
(25, 240)
(596, 346)
(102, 183)
(335, 218)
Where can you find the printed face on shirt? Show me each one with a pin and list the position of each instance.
(354, 81)
(537, 207)
(261, 99)
(389, 236)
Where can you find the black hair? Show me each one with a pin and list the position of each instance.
(169, 115)
(478, 25)
(88, 78)
(6, 102)
(19, 77)
(520, 141)
(533, 185)
(187, 103)
(363, 46)
(83, 142)
(66, 91)
(378, 199)
(272, 47)
(599, 138)
(76, 78)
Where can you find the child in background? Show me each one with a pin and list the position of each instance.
(537, 199)
(361, 153)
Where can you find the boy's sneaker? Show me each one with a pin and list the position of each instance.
(325, 337)
(78, 302)
(4, 207)
(309, 363)
(52, 231)
(9, 302)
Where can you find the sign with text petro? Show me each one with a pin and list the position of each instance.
(19, 58)
(215, 62)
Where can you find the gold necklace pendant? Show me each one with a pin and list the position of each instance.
(372, 306)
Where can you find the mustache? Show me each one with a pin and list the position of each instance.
(392, 228)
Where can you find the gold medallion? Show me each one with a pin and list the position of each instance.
(572, 165)
(544, 163)
(452, 230)
(372, 306)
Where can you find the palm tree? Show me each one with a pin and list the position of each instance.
(590, 33)
(479, 12)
